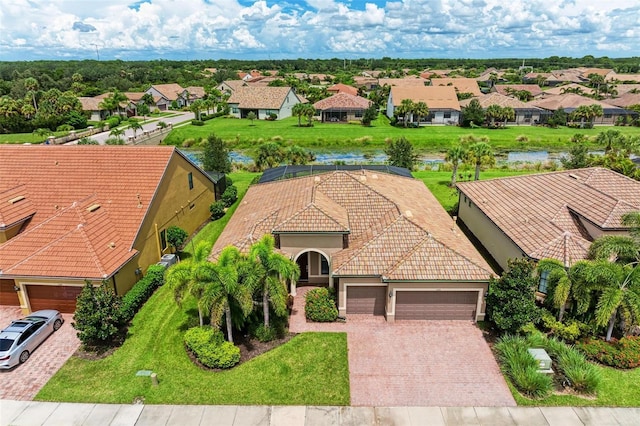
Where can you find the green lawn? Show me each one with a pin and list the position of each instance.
(212, 230)
(323, 137)
(618, 388)
(311, 369)
(16, 138)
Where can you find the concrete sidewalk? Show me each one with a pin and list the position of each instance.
(23, 413)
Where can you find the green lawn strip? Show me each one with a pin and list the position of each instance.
(324, 137)
(310, 369)
(438, 183)
(212, 230)
(16, 138)
(619, 388)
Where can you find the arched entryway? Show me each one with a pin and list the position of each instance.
(314, 267)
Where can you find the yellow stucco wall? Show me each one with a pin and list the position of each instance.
(501, 247)
(174, 204)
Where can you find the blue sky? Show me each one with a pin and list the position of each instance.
(246, 29)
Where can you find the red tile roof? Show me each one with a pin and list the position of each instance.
(436, 97)
(65, 237)
(15, 207)
(462, 85)
(397, 229)
(505, 89)
(343, 88)
(541, 213)
(260, 97)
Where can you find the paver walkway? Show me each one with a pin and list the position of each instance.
(26, 380)
(415, 363)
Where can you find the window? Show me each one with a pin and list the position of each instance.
(542, 285)
(163, 239)
(608, 115)
(190, 180)
(235, 110)
(324, 265)
(358, 114)
(528, 115)
(447, 115)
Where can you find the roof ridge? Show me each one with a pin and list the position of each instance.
(314, 190)
(358, 250)
(85, 237)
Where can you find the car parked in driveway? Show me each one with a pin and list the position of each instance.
(23, 336)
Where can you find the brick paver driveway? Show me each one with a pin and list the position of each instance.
(24, 381)
(409, 363)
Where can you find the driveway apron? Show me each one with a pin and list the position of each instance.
(415, 363)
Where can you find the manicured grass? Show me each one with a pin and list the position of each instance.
(619, 388)
(212, 230)
(438, 183)
(324, 137)
(311, 369)
(17, 138)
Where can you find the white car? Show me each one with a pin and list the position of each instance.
(23, 336)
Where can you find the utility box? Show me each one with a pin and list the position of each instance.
(542, 358)
(170, 259)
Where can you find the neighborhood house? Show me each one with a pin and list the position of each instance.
(75, 213)
(382, 240)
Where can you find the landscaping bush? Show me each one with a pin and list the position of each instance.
(197, 122)
(113, 121)
(623, 353)
(97, 317)
(320, 305)
(176, 237)
(210, 348)
(265, 334)
(569, 332)
(230, 196)
(584, 377)
(141, 291)
(521, 367)
(217, 210)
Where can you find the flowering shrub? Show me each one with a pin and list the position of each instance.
(623, 353)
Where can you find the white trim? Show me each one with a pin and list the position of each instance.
(480, 292)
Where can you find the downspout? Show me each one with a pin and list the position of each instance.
(158, 241)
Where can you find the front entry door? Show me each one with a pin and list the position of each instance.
(303, 263)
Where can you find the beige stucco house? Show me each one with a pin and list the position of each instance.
(75, 213)
(442, 102)
(382, 240)
(549, 215)
(262, 101)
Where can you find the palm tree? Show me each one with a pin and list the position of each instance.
(615, 248)
(196, 107)
(117, 133)
(619, 292)
(275, 269)
(480, 154)
(224, 286)
(183, 277)
(420, 109)
(455, 155)
(567, 283)
(493, 113)
(299, 111)
(32, 86)
(135, 126)
(405, 107)
(632, 220)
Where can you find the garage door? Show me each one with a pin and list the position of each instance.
(366, 300)
(62, 298)
(8, 296)
(436, 305)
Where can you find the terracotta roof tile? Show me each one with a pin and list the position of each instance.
(535, 210)
(389, 218)
(343, 88)
(569, 100)
(505, 89)
(58, 179)
(170, 91)
(342, 101)
(495, 98)
(260, 97)
(15, 206)
(462, 85)
(436, 97)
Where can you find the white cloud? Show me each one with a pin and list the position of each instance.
(319, 28)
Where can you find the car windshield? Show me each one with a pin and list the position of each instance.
(5, 344)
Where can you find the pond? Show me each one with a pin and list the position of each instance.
(379, 157)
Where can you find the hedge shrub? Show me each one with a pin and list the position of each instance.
(197, 123)
(210, 348)
(569, 332)
(320, 305)
(623, 353)
(141, 291)
(230, 196)
(217, 210)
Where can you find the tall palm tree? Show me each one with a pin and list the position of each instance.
(299, 111)
(183, 277)
(480, 154)
(224, 286)
(117, 133)
(32, 85)
(455, 155)
(406, 107)
(420, 109)
(135, 126)
(493, 113)
(275, 269)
